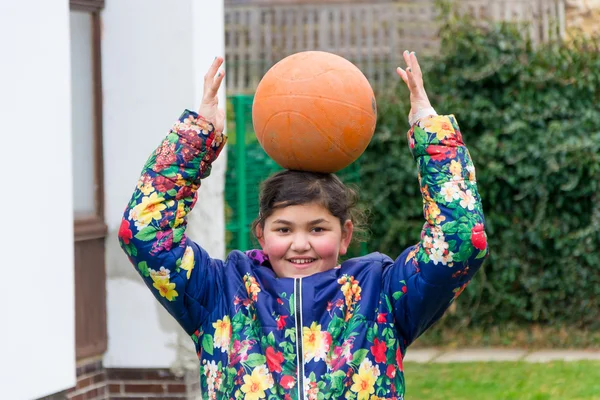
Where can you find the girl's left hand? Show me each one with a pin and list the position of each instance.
(413, 77)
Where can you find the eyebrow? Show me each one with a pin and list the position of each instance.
(314, 222)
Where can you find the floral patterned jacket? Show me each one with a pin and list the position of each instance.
(336, 334)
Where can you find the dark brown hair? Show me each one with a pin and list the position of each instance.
(291, 188)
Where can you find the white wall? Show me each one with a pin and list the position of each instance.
(37, 337)
(155, 54)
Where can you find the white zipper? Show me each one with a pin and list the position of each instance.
(299, 322)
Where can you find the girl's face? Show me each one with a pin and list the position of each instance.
(303, 240)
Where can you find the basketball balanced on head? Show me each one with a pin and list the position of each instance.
(314, 111)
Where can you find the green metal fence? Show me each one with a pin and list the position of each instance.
(247, 166)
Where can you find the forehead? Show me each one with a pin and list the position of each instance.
(300, 214)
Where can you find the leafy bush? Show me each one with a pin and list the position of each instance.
(531, 120)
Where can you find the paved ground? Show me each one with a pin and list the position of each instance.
(494, 355)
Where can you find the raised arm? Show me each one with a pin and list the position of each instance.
(179, 273)
(427, 277)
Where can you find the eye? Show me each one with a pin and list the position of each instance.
(318, 229)
(283, 230)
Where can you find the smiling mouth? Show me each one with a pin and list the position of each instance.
(302, 261)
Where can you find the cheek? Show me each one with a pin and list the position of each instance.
(327, 248)
(276, 247)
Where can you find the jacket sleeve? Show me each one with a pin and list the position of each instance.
(426, 278)
(180, 274)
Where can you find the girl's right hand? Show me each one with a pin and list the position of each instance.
(413, 77)
(209, 108)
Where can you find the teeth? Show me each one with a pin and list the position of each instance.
(304, 261)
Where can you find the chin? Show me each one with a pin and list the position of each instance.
(288, 271)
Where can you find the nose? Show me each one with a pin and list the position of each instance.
(300, 243)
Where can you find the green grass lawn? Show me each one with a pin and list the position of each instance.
(503, 380)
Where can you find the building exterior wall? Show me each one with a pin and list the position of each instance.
(154, 56)
(37, 336)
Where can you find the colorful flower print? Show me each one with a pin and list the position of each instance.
(316, 343)
(364, 381)
(379, 350)
(125, 233)
(478, 237)
(222, 333)
(187, 261)
(255, 384)
(164, 286)
(149, 209)
(251, 287)
(274, 359)
(440, 126)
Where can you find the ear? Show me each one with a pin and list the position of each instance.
(259, 232)
(347, 231)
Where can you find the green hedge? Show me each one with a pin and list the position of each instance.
(531, 120)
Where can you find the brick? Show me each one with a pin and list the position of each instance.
(78, 397)
(84, 382)
(89, 367)
(99, 378)
(180, 388)
(118, 374)
(127, 398)
(114, 388)
(91, 394)
(143, 388)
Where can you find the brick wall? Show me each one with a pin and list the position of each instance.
(94, 382)
(91, 381)
(146, 384)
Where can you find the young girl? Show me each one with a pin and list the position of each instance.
(288, 322)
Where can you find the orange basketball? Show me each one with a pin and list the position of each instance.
(314, 111)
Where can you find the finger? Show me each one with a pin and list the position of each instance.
(217, 83)
(212, 71)
(211, 88)
(412, 83)
(415, 64)
(407, 60)
(402, 74)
